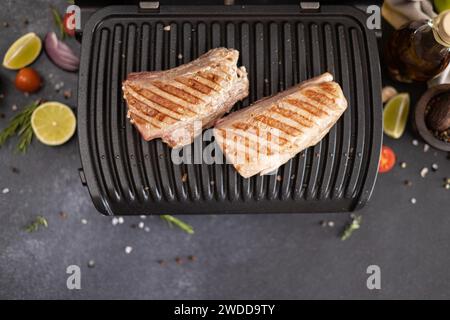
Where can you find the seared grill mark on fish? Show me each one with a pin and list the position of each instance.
(166, 104)
(275, 129)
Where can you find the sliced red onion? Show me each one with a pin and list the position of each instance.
(60, 53)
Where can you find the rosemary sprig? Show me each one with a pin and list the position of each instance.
(177, 222)
(351, 227)
(20, 125)
(58, 22)
(38, 222)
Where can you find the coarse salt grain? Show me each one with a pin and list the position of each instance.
(83, 221)
(167, 28)
(141, 225)
(413, 200)
(5, 190)
(147, 229)
(143, 217)
(128, 249)
(114, 221)
(426, 147)
(415, 142)
(120, 220)
(424, 172)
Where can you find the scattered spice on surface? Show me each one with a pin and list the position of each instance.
(178, 260)
(40, 221)
(171, 220)
(413, 200)
(5, 24)
(323, 223)
(67, 94)
(162, 262)
(192, 258)
(26, 21)
(408, 183)
(184, 177)
(128, 249)
(59, 86)
(415, 143)
(447, 186)
(15, 170)
(91, 264)
(355, 224)
(403, 165)
(2, 115)
(424, 172)
(279, 178)
(63, 215)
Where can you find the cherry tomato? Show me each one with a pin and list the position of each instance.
(69, 24)
(387, 159)
(28, 80)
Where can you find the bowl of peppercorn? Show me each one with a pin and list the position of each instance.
(432, 117)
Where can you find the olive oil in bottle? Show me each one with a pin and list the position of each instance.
(419, 50)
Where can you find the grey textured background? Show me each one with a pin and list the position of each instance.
(243, 256)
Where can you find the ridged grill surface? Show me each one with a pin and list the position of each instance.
(280, 47)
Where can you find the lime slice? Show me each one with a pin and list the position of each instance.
(23, 51)
(395, 115)
(53, 123)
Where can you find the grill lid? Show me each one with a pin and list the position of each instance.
(279, 46)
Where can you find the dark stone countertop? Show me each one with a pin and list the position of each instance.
(243, 256)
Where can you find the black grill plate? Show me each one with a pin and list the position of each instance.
(280, 46)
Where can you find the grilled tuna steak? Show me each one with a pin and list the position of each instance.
(262, 137)
(177, 104)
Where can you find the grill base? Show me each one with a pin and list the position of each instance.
(280, 46)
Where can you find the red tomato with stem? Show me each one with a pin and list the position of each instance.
(28, 80)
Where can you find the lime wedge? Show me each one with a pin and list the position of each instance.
(23, 51)
(53, 123)
(395, 115)
(442, 5)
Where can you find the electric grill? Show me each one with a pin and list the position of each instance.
(279, 45)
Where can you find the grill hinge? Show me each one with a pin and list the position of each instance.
(309, 6)
(149, 5)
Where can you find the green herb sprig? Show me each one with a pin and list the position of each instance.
(355, 224)
(58, 22)
(20, 125)
(40, 221)
(171, 220)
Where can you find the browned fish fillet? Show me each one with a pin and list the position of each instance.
(177, 104)
(262, 137)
